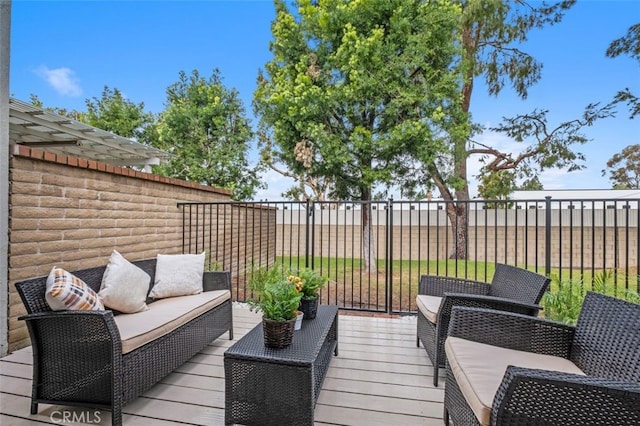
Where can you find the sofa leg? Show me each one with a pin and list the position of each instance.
(445, 417)
(34, 408)
(435, 374)
(231, 334)
(417, 342)
(116, 416)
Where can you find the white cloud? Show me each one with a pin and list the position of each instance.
(63, 80)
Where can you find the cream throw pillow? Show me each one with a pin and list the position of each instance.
(178, 275)
(124, 286)
(65, 291)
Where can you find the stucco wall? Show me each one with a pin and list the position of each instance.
(73, 213)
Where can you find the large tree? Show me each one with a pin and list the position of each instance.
(492, 33)
(204, 125)
(359, 84)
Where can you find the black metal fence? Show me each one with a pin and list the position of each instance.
(375, 252)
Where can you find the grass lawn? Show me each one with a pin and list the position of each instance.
(352, 286)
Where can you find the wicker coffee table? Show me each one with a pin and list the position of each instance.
(265, 386)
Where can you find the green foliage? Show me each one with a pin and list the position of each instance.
(563, 301)
(205, 127)
(624, 168)
(629, 44)
(311, 282)
(362, 83)
(546, 146)
(76, 115)
(497, 186)
(113, 113)
(491, 34)
(276, 296)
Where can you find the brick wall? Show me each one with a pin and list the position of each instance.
(73, 213)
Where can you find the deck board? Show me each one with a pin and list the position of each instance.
(379, 378)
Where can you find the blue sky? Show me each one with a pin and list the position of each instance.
(67, 51)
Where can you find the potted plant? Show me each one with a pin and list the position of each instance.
(311, 282)
(278, 299)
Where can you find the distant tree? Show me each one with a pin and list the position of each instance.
(628, 44)
(497, 185)
(205, 127)
(624, 168)
(76, 115)
(530, 184)
(113, 113)
(500, 184)
(359, 84)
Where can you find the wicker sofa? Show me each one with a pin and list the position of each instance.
(83, 358)
(510, 369)
(512, 289)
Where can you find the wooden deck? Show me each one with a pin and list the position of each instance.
(379, 378)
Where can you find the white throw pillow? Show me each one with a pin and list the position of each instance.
(178, 275)
(124, 286)
(65, 291)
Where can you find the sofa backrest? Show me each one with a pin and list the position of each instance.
(32, 291)
(607, 338)
(518, 284)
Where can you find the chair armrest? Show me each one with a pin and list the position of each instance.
(528, 396)
(488, 302)
(511, 330)
(216, 280)
(434, 285)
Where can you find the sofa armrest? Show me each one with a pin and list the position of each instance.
(74, 329)
(75, 353)
(216, 280)
(511, 330)
(435, 285)
(528, 396)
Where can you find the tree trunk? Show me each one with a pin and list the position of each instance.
(457, 211)
(368, 242)
(458, 214)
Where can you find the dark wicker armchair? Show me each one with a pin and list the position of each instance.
(512, 289)
(511, 369)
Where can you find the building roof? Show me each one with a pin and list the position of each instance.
(34, 127)
(577, 194)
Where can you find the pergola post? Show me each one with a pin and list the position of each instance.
(5, 43)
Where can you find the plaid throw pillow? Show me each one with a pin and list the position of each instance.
(68, 292)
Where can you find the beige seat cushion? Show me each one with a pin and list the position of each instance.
(164, 316)
(429, 306)
(479, 369)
